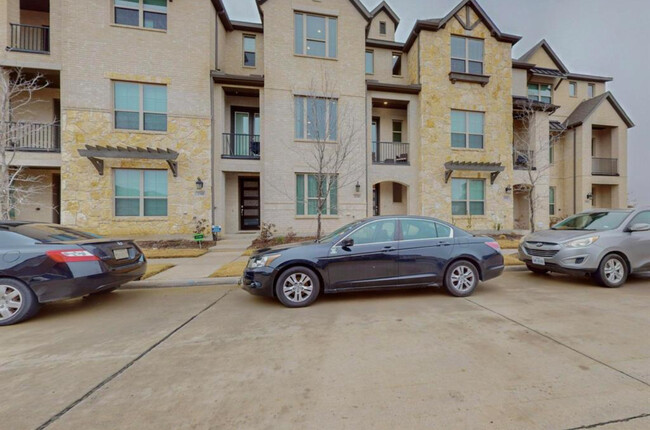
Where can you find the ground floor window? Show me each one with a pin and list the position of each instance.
(140, 192)
(551, 200)
(467, 197)
(307, 195)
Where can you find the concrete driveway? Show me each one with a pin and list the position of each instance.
(525, 352)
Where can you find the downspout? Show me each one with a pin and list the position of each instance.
(574, 172)
(212, 208)
(370, 201)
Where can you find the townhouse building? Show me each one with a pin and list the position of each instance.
(150, 123)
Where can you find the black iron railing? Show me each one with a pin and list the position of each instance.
(30, 38)
(390, 153)
(523, 159)
(241, 145)
(30, 136)
(604, 166)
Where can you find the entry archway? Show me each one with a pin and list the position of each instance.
(389, 198)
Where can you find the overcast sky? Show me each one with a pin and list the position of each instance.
(599, 37)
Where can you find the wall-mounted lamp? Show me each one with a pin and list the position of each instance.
(357, 187)
(590, 196)
(199, 184)
(508, 189)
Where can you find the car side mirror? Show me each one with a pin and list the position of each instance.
(639, 227)
(347, 243)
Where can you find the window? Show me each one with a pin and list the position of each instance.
(382, 27)
(551, 200)
(307, 194)
(397, 64)
(140, 192)
(397, 192)
(370, 62)
(140, 106)
(591, 90)
(467, 197)
(467, 129)
(466, 55)
(397, 131)
(249, 51)
(416, 229)
(315, 35)
(540, 93)
(375, 232)
(316, 118)
(573, 89)
(551, 152)
(141, 13)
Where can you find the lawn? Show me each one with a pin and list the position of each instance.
(508, 243)
(233, 269)
(154, 269)
(512, 260)
(174, 253)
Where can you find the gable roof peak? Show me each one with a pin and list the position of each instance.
(356, 3)
(584, 110)
(547, 48)
(389, 11)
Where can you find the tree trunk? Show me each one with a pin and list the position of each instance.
(531, 208)
(320, 227)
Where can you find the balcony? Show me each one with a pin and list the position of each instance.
(30, 38)
(390, 153)
(30, 136)
(604, 166)
(243, 146)
(523, 159)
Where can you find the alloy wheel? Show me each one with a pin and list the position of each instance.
(298, 287)
(614, 271)
(10, 301)
(462, 278)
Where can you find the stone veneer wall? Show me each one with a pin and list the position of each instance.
(438, 97)
(87, 200)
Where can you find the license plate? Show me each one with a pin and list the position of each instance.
(121, 254)
(539, 261)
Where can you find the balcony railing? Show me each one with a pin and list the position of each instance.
(30, 38)
(30, 136)
(604, 166)
(390, 153)
(241, 146)
(523, 159)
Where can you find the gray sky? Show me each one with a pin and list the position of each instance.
(600, 37)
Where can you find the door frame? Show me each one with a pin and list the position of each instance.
(251, 111)
(375, 154)
(240, 181)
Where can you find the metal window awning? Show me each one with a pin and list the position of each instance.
(468, 166)
(96, 154)
(556, 126)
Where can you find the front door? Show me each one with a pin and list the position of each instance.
(372, 260)
(249, 203)
(56, 198)
(245, 125)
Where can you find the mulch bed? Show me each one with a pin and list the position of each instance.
(176, 243)
(259, 244)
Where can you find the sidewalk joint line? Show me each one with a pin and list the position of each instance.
(605, 423)
(97, 387)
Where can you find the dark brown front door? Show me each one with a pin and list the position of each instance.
(249, 203)
(56, 198)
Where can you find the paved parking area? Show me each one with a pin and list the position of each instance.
(525, 352)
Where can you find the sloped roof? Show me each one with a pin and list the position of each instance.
(223, 15)
(588, 107)
(544, 44)
(389, 11)
(356, 3)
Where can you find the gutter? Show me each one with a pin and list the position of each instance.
(574, 172)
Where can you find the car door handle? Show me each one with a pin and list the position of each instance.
(389, 248)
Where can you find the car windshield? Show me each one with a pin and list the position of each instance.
(593, 221)
(46, 233)
(338, 232)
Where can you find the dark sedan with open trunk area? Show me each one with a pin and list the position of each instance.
(374, 254)
(41, 263)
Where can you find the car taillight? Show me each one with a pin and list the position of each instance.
(494, 245)
(71, 256)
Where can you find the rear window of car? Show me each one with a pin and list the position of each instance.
(52, 233)
(9, 238)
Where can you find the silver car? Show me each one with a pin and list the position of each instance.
(606, 244)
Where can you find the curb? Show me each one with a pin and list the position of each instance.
(203, 282)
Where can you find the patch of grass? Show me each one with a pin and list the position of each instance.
(234, 269)
(154, 269)
(174, 253)
(512, 260)
(508, 243)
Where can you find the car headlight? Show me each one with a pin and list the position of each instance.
(263, 261)
(581, 243)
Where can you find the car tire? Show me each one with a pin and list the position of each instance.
(297, 287)
(17, 302)
(612, 271)
(461, 278)
(536, 270)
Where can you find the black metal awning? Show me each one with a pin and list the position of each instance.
(541, 71)
(556, 126)
(493, 168)
(96, 154)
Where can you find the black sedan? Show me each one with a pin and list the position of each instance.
(41, 263)
(374, 254)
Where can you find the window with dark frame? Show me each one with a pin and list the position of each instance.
(467, 55)
(540, 93)
(551, 200)
(140, 106)
(591, 90)
(315, 35)
(573, 89)
(140, 193)
(397, 130)
(249, 50)
(397, 192)
(467, 196)
(382, 28)
(141, 13)
(397, 64)
(467, 129)
(307, 194)
(316, 118)
(370, 62)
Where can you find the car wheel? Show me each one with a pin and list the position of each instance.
(461, 279)
(537, 270)
(612, 271)
(17, 302)
(297, 287)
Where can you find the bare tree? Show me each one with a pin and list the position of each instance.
(17, 92)
(532, 138)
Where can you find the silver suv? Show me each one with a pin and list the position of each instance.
(606, 244)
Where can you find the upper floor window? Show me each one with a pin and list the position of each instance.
(540, 93)
(315, 35)
(467, 129)
(551, 152)
(467, 55)
(397, 131)
(397, 64)
(140, 192)
(382, 27)
(140, 106)
(370, 62)
(249, 50)
(467, 196)
(316, 119)
(591, 90)
(141, 13)
(573, 89)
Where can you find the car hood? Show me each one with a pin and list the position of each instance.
(280, 248)
(557, 236)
